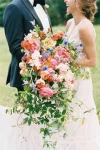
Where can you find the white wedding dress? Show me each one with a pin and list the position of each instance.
(80, 136)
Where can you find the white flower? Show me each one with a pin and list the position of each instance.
(20, 109)
(36, 55)
(46, 6)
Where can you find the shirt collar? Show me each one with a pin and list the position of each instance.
(31, 1)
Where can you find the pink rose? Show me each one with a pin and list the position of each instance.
(53, 63)
(63, 53)
(46, 92)
(35, 45)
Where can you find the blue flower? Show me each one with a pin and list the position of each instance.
(81, 45)
(51, 50)
(45, 68)
(65, 42)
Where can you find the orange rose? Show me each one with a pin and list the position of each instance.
(36, 69)
(26, 45)
(42, 35)
(57, 35)
(44, 74)
(50, 79)
(40, 83)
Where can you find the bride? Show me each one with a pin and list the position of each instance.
(81, 135)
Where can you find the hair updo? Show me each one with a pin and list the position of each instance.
(88, 7)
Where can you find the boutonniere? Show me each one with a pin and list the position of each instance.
(46, 6)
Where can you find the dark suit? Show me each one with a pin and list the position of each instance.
(17, 17)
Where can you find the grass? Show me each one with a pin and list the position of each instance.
(7, 94)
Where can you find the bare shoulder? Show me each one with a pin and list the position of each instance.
(68, 23)
(86, 29)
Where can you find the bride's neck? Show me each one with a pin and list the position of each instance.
(78, 17)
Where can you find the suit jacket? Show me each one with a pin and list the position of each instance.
(17, 17)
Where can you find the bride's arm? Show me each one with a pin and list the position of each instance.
(88, 40)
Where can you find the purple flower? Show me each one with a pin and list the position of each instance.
(46, 55)
(32, 85)
(25, 82)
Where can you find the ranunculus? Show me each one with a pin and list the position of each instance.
(46, 92)
(53, 63)
(44, 74)
(40, 83)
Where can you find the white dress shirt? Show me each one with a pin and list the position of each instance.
(42, 15)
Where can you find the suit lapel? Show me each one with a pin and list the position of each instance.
(32, 11)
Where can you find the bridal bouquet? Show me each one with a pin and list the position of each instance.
(48, 74)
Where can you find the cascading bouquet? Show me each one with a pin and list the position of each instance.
(48, 74)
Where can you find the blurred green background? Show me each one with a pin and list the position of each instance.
(57, 13)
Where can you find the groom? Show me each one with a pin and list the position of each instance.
(18, 19)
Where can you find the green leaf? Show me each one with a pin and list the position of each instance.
(64, 112)
(62, 119)
(83, 121)
(25, 120)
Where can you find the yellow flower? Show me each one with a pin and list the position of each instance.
(48, 43)
(72, 53)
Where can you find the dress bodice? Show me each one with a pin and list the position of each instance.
(73, 36)
(73, 31)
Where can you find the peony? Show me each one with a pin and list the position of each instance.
(63, 67)
(69, 76)
(46, 92)
(40, 83)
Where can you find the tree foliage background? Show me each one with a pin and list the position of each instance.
(57, 11)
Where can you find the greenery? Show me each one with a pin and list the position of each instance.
(57, 11)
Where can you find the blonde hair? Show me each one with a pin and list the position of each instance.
(88, 7)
